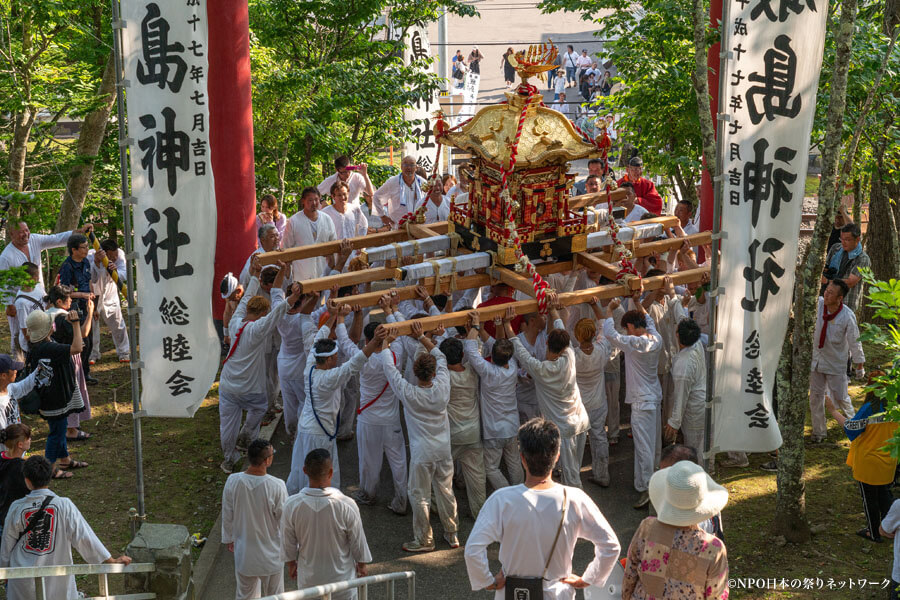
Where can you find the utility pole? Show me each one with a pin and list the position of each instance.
(443, 61)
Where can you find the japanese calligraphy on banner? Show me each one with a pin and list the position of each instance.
(164, 48)
(470, 97)
(769, 91)
(423, 147)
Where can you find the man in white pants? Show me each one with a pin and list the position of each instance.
(836, 337)
(537, 525)
(557, 391)
(641, 346)
(689, 398)
(379, 432)
(499, 407)
(242, 383)
(533, 338)
(108, 305)
(252, 502)
(322, 537)
(465, 423)
(431, 465)
(323, 379)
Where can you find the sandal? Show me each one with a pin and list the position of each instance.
(72, 465)
(82, 436)
(864, 533)
(60, 474)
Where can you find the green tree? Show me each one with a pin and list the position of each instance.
(652, 46)
(329, 79)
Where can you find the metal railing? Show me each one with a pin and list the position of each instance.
(101, 571)
(362, 584)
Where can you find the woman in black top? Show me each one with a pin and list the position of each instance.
(17, 439)
(509, 72)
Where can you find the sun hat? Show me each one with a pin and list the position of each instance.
(38, 324)
(684, 494)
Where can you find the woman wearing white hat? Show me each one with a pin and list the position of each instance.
(670, 557)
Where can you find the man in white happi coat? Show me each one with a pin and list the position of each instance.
(689, 397)
(499, 406)
(437, 208)
(379, 432)
(836, 336)
(296, 331)
(533, 338)
(307, 227)
(399, 195)
(558, 396)
(27, 247)
(537, 525)
(322, 537)
(267, 235)
(242, 383)
(108, 305)
(666, 310)
(252, 502)
(592, 353)
(430, 462)
(323, 379)
(356, 178)
(40, 531)
(349, 220)
(465, 423)
(640, 346)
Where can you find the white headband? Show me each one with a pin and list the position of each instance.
(229, 283)
(326, 354)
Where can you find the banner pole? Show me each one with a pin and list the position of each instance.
(127, 203)
(716, 244)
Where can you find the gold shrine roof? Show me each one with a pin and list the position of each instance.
(548, 137)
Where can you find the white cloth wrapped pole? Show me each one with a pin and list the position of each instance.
(458, 264)
(429, 244)
(599, 239)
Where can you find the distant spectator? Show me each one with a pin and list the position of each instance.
(269, 213)
(474, 60)
(54, 526)
(669, 555)
(76, 273)
(537, 524)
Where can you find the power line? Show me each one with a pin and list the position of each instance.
(523, 43)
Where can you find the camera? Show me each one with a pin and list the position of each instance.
(829, 273)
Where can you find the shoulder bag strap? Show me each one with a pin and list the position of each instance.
(562, 520)
(34, 519)
(30, 299)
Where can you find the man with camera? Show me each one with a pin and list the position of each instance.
(844, 260)
(537, 524)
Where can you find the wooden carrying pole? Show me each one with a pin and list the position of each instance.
(357, 243)
(528, 306)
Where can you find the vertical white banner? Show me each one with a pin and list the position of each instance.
(769, 95)
(166, 66)
(423, 147)
(470, 97)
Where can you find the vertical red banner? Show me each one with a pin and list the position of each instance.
(712, 60)
(231, 137)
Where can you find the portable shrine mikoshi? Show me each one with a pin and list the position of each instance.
(519, 213)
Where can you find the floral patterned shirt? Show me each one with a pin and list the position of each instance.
(672, 563)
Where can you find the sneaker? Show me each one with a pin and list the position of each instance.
(452, 539)
(125, 359)
(817, 439)
(92, 361)
(643, 500)
(363, 498)
(227, 467)
(91, 380)
(771, 466)
(415, 546)
(733, 464)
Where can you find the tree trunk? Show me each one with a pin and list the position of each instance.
(882, 242)
(18, 150)
(91, 136)
(790, 503)
(701, 86)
